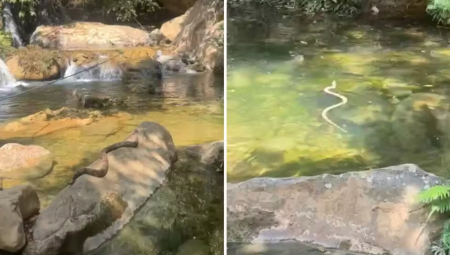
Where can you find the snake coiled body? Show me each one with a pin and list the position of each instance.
(344, 101)
(104, 159)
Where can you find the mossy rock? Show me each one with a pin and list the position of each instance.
(36, 64)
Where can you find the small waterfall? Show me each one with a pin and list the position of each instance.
(103, 72)
(6, 78)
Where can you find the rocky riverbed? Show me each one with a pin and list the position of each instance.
(90, 212)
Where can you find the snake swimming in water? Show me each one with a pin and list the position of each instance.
(344, 101)
(133, 143)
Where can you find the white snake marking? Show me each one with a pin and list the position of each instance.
(344, 101)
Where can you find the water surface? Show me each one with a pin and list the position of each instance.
(274, 102)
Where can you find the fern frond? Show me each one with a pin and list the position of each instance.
(440, 206)
(438, 192)
(445, 238)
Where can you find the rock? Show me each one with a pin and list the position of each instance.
(370, 211)
(189, 205)
(211, 154)
(177, 7)
(158, 38)
(89, 35)
(172, 28)
(16, 205)
(25, 67)
(24, 161)
(89, 101)
(285, 248)
(417, 122)
(92, 210)
(202, 34)
(193, 247)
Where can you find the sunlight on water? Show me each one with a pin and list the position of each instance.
(275, 99)
(189, 107)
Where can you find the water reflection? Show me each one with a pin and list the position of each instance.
(175, 90)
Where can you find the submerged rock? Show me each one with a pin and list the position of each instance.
(16, 205)
(89, 101)
(92, 210)
(417, 121)
(372, 211)
(24, 161)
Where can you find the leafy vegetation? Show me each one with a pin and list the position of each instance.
(5, 44)
(340, 7)
(438, 199)
(123, 10)
(440, 10)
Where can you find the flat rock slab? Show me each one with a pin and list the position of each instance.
(16, 204)
(371, 211)
(285, 248)
(24, 161)
(92, 210)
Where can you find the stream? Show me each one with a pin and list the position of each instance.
(278, 67)
(189, 106)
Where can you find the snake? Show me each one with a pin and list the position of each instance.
(103, 170)
(325, 111)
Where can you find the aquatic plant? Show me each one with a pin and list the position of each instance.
(438, 199)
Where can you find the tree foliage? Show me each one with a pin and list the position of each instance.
(340, 7)
(123, 10)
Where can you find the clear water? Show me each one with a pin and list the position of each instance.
(189, 106)
(274, 103)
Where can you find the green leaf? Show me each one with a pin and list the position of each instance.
(434, 193)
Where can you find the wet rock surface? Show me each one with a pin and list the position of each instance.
(372, 211)
(16, 205)
(92, 210)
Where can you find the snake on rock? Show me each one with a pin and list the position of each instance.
(104, 158)
(344, 101)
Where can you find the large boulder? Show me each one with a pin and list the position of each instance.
(24, 161)
(89, 35)
(92, 210)
(16, 205)
(371, 211)
(172, 28)
(34, 63)
(202, 33)
(189, 205)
